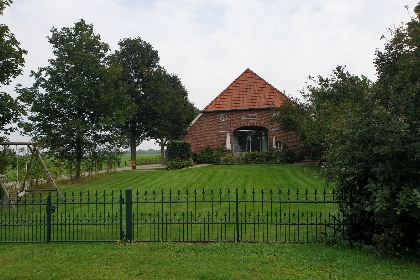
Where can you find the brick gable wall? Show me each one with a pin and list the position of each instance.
(210, 131)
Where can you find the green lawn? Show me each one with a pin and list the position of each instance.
(200, 261)
(196, 261)
(204, 196)
(246, 178)
(249, 177)
(208, 181)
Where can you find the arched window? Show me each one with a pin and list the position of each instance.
(250, 139)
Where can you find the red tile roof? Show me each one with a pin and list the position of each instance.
(246, 92)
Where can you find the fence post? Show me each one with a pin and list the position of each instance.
(237, 215)
(48, 210)
(121, 219)
(128, 214)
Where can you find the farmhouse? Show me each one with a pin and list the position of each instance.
(240, 119)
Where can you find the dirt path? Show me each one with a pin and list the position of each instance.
(151, 167)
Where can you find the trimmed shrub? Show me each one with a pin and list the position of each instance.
(179, 155)
(179, 164)
(180, 150)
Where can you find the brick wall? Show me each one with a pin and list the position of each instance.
(210, 131)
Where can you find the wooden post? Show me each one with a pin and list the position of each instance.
(33, 150)
(23, 188)
(6, 191)
(46, 171)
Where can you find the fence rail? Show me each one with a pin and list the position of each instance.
(198, 216)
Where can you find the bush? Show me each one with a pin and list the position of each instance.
(374, 165)
(218, 156)
(206, 156)
(288, 156)
(230, 158)
(179, 164)
(179, 155)
(179, 150)
(209, 156)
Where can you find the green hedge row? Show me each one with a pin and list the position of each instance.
(219, 156)
(179, 155)
(179, 150)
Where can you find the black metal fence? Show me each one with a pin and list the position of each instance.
(198, 216)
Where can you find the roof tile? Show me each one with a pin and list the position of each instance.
(246, 92)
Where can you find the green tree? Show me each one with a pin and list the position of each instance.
(323, 108)
(10, 112)
(138, 61)
(11, 64)
(169, 110)
(374, 159)
(77, 101)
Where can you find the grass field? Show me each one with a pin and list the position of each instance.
(140, 159)
(200, 261)
(196, 261)
(204, 197)
(249, 177)
(204, 180)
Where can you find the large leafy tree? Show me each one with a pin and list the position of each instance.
(138, 61)
(374, 159)
(323, 109)
(169, 110)
(77, 101)
(11, 64)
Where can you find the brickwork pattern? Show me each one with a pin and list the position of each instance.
(210, 131)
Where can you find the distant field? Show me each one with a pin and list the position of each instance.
(140, 159)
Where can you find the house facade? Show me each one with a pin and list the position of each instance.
(239, 119)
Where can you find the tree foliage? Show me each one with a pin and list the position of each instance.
(369, 134)
(10, 112)
(374, 159)
(11, 54)
(138, 60)
(76, 101)
(323, 108)
(169, 110)
(163, 111)
(11, 64)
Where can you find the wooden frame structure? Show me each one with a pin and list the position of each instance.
(34, 150)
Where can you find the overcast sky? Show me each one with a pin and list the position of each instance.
(208, 44)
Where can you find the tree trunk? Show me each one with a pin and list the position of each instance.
(133, 152)
(79, 157)
(162, 153)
